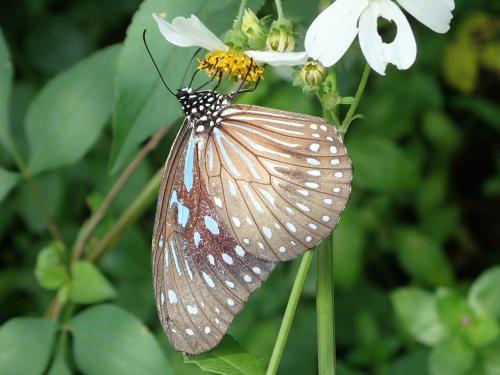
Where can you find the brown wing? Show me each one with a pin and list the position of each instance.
(278, 179)
(202, 276)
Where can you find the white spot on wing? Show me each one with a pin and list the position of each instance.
(172, 297)
(313, 161)
(192, 309)
(227, 259)
(211, 225)
(239, 250)
(208, 280)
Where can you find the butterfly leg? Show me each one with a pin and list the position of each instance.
(188, 66)
(239, 89)
(219, 79)
(250, 90)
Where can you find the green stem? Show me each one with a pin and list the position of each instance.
(359, 93)
(138, 206)
(324, 308)
(28, 178)
(95, 219)
(52, 226)
(286, 323)
(279, 9)
(241, 11)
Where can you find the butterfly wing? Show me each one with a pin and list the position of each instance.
(279, 180)
(202, 276)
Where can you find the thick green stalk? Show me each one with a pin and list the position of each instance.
(324, 308)
(286, 323)
(279, 9)
(138, 206)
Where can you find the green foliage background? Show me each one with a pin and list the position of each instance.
(416, 254)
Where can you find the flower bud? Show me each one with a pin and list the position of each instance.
(236, 39)
(254, 29)
(281, 38)
(313, 74)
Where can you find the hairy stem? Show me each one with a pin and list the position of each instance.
(324, 308)
(286, 323)
(241, 11)
(138, 206)
(359, 93)
(96, 218)
(279, 9)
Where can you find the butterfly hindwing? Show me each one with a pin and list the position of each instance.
(202, 275)
(278, 179)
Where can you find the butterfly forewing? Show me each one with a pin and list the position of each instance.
(279, 180)
(202, 274)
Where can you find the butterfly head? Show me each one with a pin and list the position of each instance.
(202, 105)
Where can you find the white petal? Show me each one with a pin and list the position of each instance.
(278, 58)
(189, 32)
(403, 49)
(196, 29)
(334, 30)
(171, 34)
(435, 14)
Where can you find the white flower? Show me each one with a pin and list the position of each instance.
(334, 30)
(191, 32)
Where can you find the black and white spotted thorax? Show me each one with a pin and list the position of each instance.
(202, 108)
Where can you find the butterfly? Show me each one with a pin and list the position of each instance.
(244, 187)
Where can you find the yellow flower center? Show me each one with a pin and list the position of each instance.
(233, 63)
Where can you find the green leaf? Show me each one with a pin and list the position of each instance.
(109, 340)
(52, 191)
(423, 258)
(491, 359)
(381, 165)
(5, 91)
(8, 180)
(142, 105)
(460, 318)
(50, 270)
(88, 285)
(484, 294)
(25, 345)
(453, 309)
(348, 244)
(486, 110)
(441, 131)
(416, 310)
(451, 357)
(67, 116)
(461, 65)
(229, 359)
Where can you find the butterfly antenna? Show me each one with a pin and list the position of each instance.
(188, 66)
(154, 63)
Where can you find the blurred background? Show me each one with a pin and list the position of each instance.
(421, 228)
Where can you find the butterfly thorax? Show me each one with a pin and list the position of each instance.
(202, 108)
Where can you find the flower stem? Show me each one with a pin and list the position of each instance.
(286, 323)
(324, 308)
(279, 9)
(239, 18)
(352, 109)
(96, 218)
